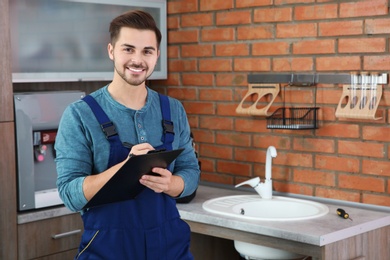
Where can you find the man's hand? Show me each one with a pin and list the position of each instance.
(139, 149)
(166, 182)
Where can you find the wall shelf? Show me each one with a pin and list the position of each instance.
(307, 79)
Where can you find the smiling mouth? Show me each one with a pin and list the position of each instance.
(137, 70)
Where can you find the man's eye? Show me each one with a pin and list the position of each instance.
(128, 49)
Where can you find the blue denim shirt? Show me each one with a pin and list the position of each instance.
(82, 148)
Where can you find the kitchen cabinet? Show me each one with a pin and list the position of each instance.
(52, 238)
(8, 248)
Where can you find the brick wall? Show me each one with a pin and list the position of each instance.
(214, 45)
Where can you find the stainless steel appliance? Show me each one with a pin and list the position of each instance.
(37, 116)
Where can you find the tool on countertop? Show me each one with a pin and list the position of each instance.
(343, 214)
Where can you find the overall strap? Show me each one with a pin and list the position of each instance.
(168, 130)
(106, 124)
(109, 130)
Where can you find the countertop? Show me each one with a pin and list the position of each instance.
(318, 232)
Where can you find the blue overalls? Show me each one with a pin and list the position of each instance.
(147, 227)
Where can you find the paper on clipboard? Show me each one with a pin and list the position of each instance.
(125, 185)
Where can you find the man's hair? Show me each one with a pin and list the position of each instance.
(135, 19)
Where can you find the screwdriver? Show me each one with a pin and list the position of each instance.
(343, 214)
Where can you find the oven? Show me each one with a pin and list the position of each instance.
(37, 116)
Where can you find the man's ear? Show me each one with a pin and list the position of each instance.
(110, 50)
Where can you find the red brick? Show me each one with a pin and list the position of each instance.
(197, 50)
(183, 36)
(294, 159)
(337, 194)
(207, 5)
(361, 183)
(376, 133)
(335, 163)
(202, 136)
(377, 26)
(182, 6)
(270, 48)
(340, 28)
(216, 123)
(357, 45)
(382, 200)
(272, 15)
(381, 62)
(314, 145)
(339, 63)
(217, 178)
(240, 169)
(296, 30)
(326, 115)
(196, 20)
(376, 167)
(182, 65)
(233, 17)
(249, 155)
(285, 2)
(234, 139)
(215, 65)
(226, 109)
(216, 94)
(278, 173)
(316, 12)
(298, 95)
(231, 79)
(328, 96)
(216, 35)
(358, 148)
(252, 3)
(193, 120)
(192, 79)
(255, 32)
(339, 130)
(235, 49)
(173, 22)
(314, 47)
(216, 151)
(293, 188)
(173, 80)
(315, 177)
(364, 8)
(203, 108)
(250, 125)
(173, 52)
(252, 64)
(182, 93)
(208, 165)
(293, 64)
(279, 142)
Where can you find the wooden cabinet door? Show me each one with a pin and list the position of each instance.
(47, 237)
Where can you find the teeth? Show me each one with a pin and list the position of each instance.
(135, 69)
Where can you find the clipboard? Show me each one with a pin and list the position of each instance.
(124, 184)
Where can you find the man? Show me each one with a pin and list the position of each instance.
(149, 226)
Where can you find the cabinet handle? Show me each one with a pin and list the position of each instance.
(66, 234)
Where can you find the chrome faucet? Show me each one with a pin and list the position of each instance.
(264, 189)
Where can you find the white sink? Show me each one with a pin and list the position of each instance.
(253, 207)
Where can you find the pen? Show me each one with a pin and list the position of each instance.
(128, 145)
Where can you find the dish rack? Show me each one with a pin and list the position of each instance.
(294, 118)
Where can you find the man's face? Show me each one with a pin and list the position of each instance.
(134, 54)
